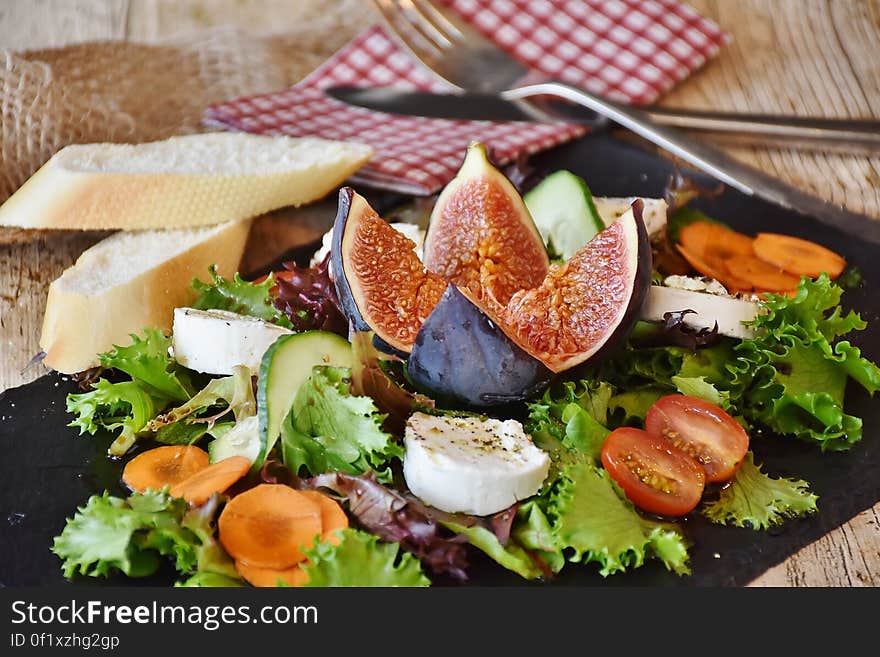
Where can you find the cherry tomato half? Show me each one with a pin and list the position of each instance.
(655, 475)
(703, 430)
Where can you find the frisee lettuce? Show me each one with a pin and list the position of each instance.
(358, 559)
(754, 499)
(792, 376)
(156, 381)
(147, 361)
(329, 429)
(130, 535)
(239, 296)
(595, 521)
(235, 392)
(123, 406)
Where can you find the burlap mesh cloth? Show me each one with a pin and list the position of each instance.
(132, 92)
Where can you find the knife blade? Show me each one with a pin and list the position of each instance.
(852, 136)
(466, 106)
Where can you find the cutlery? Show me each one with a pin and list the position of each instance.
(849, 136)
(462, 57)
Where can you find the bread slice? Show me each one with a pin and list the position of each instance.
(181, 182)
(127, 282)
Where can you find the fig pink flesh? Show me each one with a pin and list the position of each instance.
(479, 242)
(568, 317)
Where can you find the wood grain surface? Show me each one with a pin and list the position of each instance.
(809, 57)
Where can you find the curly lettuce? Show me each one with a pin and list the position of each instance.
(792, 376)
(110, 534)
(595, 521)
(358, 559)
(239, 296)
(331, 430)
(147, 361)
(756, 500)
(127, 406)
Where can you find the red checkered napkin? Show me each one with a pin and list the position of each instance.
(626, 50)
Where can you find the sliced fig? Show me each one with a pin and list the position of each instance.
(461, 356)
(382, 285)
(588, 304)
(481, 237)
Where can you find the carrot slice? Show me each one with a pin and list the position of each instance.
(269, 525)
(216, 478)
(716, 269)
(798, 256)
(294, 576)
(332, 516)
(701, 237)
(760, 274)
(164, 466)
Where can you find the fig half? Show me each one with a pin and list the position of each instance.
(587, 305)
(481, 236)
(381, 283)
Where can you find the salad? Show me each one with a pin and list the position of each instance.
(549, 378)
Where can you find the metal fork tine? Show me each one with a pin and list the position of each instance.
(446, 28)
(420, 23)
(406, 32)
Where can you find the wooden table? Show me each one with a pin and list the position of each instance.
(815, 57)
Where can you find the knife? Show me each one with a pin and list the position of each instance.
(838, 135)
(478, 106)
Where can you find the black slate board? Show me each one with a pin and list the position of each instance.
(47, 470)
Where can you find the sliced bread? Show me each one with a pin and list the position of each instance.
(127, 282)
(181, 182)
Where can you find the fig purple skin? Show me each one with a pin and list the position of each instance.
(343, 291)
(461, 357)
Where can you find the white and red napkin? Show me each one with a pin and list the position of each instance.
(626, 50)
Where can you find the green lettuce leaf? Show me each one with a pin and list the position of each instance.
(128, 406)
(754, 499)
(569, 423)
(791, 377)
(698, 386)
(211, 558)
(130, 535)
(147, 362)
(210, 580)
(330, 429)
(239, 296)
(124, 406)
(597, 523)
(533, 531)
(185, 423)
(631, 406)
(511, 556)
(360, 560)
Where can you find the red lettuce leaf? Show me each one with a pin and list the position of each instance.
(307, 296)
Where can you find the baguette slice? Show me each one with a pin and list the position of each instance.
(181, 182)
(128, 282)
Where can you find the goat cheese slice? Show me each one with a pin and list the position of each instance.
(729, 312)
(471, 465)
(215, 341)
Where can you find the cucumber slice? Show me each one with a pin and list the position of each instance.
(243, 439)
(284, 368)
(563, 210)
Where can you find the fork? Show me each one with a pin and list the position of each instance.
(458, 54)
